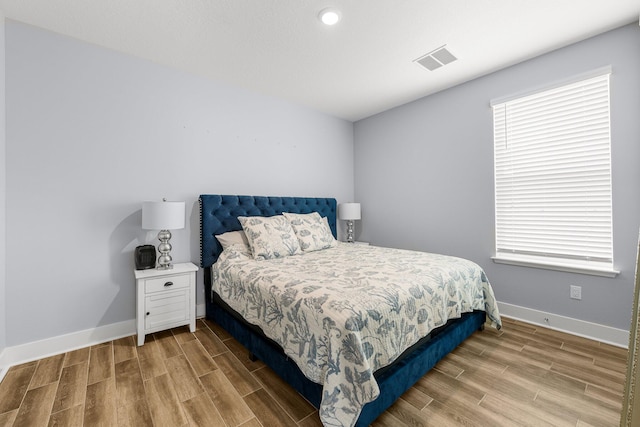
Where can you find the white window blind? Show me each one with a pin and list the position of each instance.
(553, 177)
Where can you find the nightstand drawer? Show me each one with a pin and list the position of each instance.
(166, 308)
(168, 283)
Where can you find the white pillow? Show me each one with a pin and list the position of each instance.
(270, 237)
(233, 238)
(312, 231)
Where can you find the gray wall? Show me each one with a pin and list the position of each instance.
(424, 176)
(3, 305)
(92, 133)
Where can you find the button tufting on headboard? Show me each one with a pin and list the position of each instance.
(219, 214)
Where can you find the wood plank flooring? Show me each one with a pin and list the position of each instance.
(520, 376)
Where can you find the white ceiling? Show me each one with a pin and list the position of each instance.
(362, 66)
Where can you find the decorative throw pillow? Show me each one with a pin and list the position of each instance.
(270, 237)
(312, 230)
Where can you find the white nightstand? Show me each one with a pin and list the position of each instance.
(165, 299)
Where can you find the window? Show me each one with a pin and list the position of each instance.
(552, 158)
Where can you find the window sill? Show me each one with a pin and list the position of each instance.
(567, 268)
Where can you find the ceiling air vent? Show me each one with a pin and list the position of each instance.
(436, 59)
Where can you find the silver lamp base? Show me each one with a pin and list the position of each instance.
(164, 248)
(349, 231)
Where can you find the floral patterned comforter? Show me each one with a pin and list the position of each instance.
(344, 312)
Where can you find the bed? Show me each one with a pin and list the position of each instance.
(347, 326)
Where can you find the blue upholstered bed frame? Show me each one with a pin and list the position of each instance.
(219, 214)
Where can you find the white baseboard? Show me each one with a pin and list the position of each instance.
(201, 310)
(594, 331)
(61, 344)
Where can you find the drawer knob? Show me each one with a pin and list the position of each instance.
(168, 284)
(148, 312)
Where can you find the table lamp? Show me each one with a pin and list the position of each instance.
(163, 216)
(349, 212)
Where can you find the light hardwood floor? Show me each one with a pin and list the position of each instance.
(521, 375)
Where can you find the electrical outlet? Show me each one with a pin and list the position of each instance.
(575, 292)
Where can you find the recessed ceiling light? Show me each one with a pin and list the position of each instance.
(329, 16)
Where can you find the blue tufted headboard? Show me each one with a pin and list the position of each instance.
(219, 214)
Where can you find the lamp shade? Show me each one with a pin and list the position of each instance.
(349, 211)
(162, 215)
